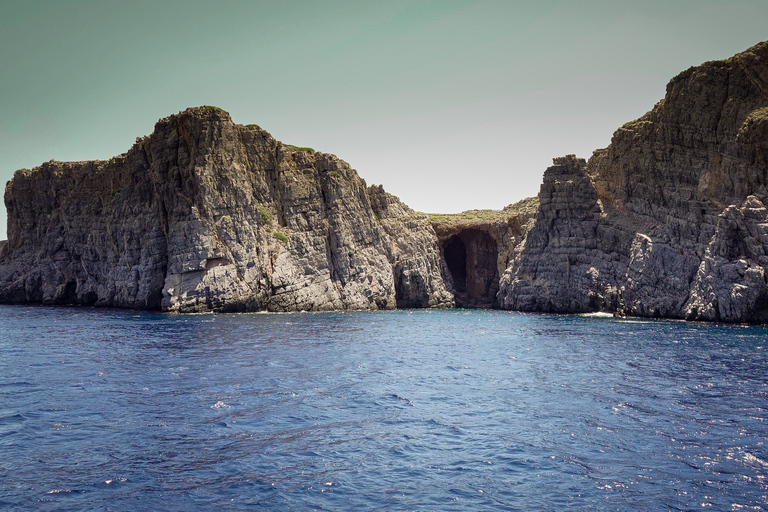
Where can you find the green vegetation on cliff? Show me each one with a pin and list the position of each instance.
(299, 148)
(525, 206)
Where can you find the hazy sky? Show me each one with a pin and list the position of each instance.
(451, 105)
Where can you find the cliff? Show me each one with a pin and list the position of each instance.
(205, 215)
(208, 215)
(669, 220)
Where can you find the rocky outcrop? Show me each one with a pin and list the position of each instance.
(730, 284)
(563, 265)
(207, 215)
(667, 221)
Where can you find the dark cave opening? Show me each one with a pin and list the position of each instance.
(456, 259)
(471, 257)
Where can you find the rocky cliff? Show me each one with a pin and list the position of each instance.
(669, 220)
(208, 215)
(205, 215)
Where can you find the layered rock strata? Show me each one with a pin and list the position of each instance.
(207, 215)
(669, 220)
(561, 261)
(419, 271)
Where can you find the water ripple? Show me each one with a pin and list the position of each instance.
(408, 410)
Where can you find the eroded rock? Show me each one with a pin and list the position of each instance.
(478, 245)
(647, 228)
(207, 215)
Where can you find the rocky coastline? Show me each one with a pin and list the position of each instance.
(669, 221)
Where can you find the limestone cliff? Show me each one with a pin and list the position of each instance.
(669, 220)
(561, 261)
(419, 271)
(208, 215)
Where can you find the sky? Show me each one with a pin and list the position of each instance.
(451, 105)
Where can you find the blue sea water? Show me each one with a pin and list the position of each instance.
(407, 410)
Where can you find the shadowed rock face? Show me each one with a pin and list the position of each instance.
(207, 215)
(478, 245)
(455, 254)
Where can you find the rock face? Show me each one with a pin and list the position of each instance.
(730, 284)
(207, 215)
(561, 262)
(419, 270)
(669, 220)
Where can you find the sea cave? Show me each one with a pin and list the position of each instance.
(471, 257)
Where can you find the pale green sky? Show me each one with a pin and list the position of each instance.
(450, 105)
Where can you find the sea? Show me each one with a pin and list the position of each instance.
(433, 410)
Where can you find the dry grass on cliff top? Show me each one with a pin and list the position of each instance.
(527, 206)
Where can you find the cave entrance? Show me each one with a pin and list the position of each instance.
(471, 257)
(456, 259)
